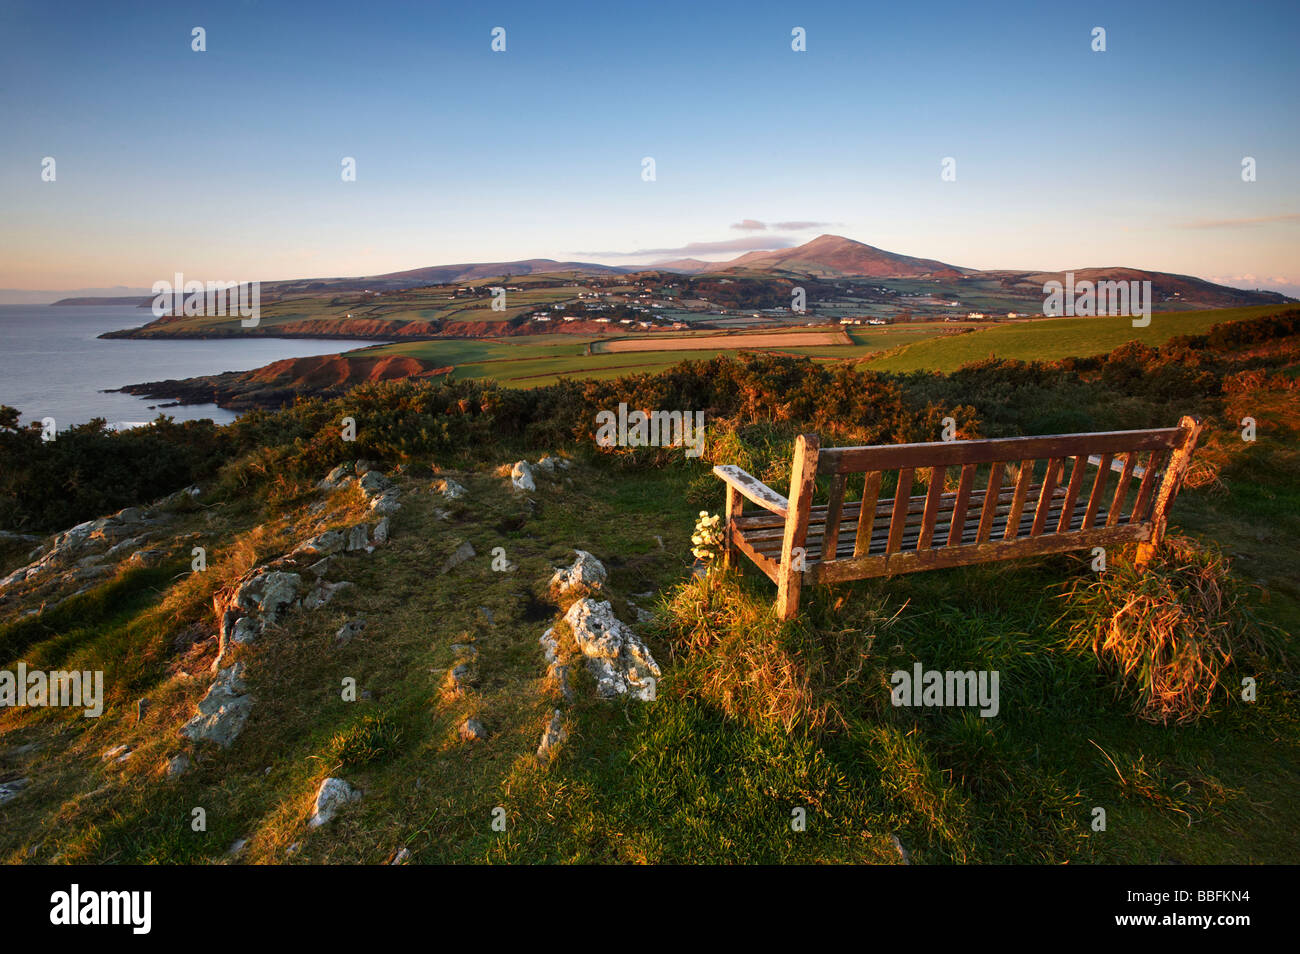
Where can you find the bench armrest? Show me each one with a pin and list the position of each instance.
(753, 488)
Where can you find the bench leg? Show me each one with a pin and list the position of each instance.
(735, 506)
(1179, 461)
(802, 478)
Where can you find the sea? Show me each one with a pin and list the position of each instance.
(53, 364)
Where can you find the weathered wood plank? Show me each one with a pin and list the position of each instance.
(1018, 499)
(961, 504)
(835, 505)
(898, 520)
(1145, 488)
(1121, 489)
(1098, 489)
(931, 513)
(991, 494)
(1050, 480)
(753, 488)
(1071, 495)
(867, 512)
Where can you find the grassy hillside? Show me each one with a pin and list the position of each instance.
(1049, 340)
(751, 720)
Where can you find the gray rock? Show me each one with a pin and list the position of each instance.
(177, 765)
(146, 557)
(552, 736)
(10, 789)
(337, 477)
(449, 488)
(323, 592)
(333, 795)
(380, 535)
(462, 553)
(268, 592)
(471, 730)
(386, 503)
(550, 645)
(373, 483)
(348, 630)
(223, 711)
(331, 541)
(402, 857)
(586, 571)
(521, 476)
(359, 537)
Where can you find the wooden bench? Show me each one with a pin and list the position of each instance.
(1013, 497)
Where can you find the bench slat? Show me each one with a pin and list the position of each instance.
(835, 506)
(1121, 489)
(1098, 489)
(870, 492)
(961, 504)
(1155, 462)
(1071, 492)
(931, 514)
(1050, 480)
(902, 497)
(991, 494)
(1018, 499)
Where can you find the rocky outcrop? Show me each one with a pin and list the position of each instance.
(223, 711)
(586, 573)
(620, 663)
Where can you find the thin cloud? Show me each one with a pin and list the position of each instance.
(1240, 223)
(800, 225)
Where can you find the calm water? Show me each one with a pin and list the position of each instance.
(53, 365)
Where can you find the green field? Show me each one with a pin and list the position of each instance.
(1050, 339)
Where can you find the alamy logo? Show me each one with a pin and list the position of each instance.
(656, 429)
(78, 690)
(934, 688)
(1087, 299)
(194, 299)
(134, 908)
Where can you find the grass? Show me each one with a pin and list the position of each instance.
(1050, 339)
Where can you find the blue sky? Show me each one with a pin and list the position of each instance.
(226, 164)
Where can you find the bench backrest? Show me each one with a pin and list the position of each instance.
(1001, 490)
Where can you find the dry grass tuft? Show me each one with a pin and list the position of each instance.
(1169, 633)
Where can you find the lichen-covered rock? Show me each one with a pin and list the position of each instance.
(336, 478)
(268, 592)
(333, 794)
(380, 534)
(471, 730)
(521, 476)
(385, 503)
(616, 657)
(586, 571)
(223, 711)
